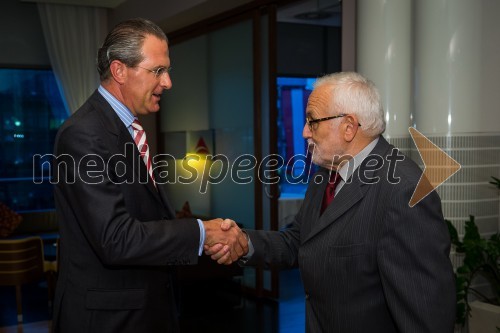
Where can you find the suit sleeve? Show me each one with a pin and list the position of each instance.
(281, 248)
(415, 269)
(100, 211)
(277, 248)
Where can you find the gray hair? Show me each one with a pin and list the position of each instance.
(354, 94)
(124, 43)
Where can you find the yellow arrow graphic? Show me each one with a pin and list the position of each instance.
(438, 166)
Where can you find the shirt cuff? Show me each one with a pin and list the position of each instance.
(202, 237)
(251, 250)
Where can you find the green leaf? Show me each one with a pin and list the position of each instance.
(496, 182)
(471, 231)
(461, 313)
(463, 270)
(480, 257)
(453, 233)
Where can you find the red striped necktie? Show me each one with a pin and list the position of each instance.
(330, 190)
(142, 146)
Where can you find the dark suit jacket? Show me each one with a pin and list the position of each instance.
(369, 263)
(119, 238)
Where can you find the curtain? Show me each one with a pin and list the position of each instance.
(73, 34)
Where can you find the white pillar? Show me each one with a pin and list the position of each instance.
(457, 100)
(384, 56)
(436, 65)
(447, 66)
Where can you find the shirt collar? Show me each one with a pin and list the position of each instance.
(348, 169)
(121, 110)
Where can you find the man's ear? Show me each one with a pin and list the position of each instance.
(351, 126)
(118, 71)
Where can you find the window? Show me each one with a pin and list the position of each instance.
(31, 111)
(293, 93)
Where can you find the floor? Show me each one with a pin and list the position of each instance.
(230, 313)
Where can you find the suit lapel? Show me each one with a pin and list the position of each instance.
(352, 192)
(134, 159)
(314, 205)
(347, 197)
(164, 198)
(124, 142)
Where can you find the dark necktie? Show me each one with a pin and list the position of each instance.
(330, 190)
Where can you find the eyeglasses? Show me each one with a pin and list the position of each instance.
(159, 71)
(313, 123)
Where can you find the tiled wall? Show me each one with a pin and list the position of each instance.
(468, 192)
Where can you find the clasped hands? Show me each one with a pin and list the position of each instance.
(224, 241)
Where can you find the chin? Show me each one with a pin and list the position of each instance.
(318, 162)
(154, 109)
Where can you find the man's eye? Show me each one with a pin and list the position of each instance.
(160, 71)
(163, 70)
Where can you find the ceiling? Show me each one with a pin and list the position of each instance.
(92, 3)
(175, 14)
(316, 12)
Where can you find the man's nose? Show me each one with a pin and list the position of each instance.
(166, 82)
(306, 132)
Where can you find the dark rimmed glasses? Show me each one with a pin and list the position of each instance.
(158, 72)
(313, 123)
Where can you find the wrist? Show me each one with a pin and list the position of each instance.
(248, 241)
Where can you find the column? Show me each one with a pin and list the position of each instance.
(384, 56)
(456, 102)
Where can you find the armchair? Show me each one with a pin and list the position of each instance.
(21, 262)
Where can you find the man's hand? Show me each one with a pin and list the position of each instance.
(225, 241)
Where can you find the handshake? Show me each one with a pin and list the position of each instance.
(224, 241)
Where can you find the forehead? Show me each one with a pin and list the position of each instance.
(319, 101)
(155, 50)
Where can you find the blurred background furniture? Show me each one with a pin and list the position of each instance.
(22, 262)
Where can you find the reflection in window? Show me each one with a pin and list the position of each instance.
(292, 101)
(31, 111)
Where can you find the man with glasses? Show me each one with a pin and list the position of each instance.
(368, 261)
(119, 236)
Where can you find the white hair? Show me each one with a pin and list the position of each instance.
(354, 94)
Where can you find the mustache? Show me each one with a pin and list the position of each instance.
(311, 146)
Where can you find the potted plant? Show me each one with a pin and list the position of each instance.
(481, 258)
(496, 182)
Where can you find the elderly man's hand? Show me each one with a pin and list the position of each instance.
(224, 241)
